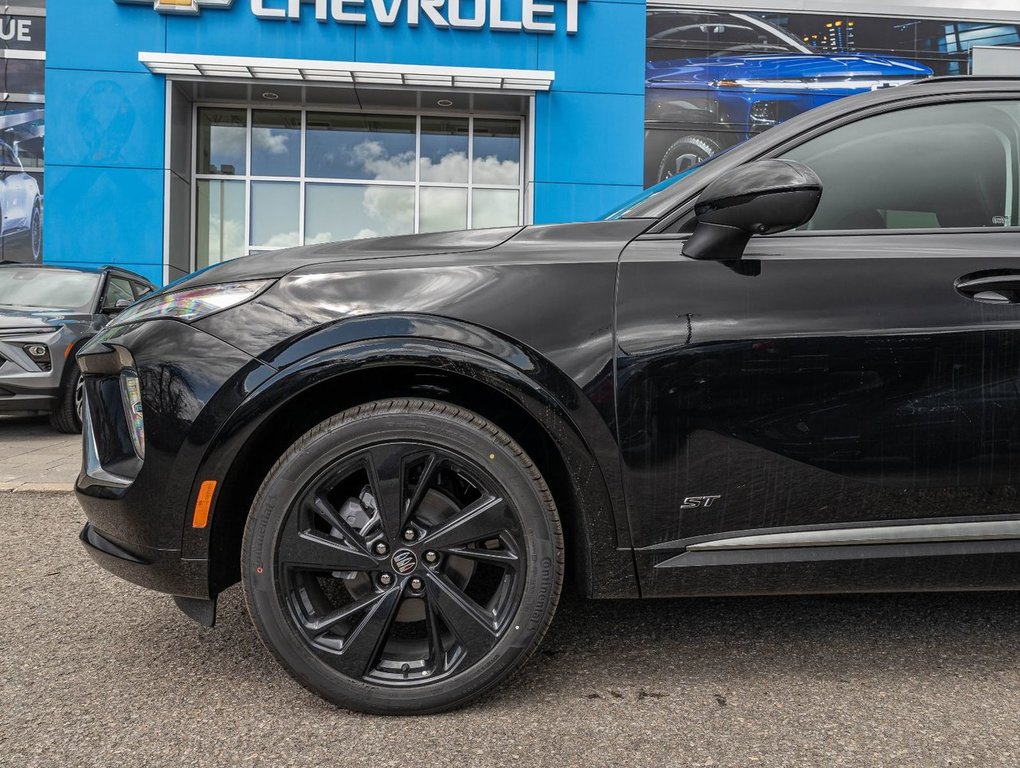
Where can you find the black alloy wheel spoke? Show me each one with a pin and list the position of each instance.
(364, 643)
(501, 557)
(483, 519)
(476, 630)
(318, 627)
(385, 465)
(437, 653)
(325, 510)
(432, 462)
(313, 551)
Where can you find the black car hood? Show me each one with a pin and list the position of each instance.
(272, 264)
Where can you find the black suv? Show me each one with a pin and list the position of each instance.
(794, 368)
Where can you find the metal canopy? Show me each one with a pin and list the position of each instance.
(186, 66)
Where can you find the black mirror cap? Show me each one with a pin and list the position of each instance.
(760, 198)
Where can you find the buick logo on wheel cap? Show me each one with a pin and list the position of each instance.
(404, 561)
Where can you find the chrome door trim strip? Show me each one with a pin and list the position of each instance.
(885, 534)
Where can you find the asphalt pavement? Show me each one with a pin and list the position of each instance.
(34, 456)
(94, 671)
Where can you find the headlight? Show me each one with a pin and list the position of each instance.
(131, 398)
(192, 304)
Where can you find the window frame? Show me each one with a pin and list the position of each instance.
(110, 280)
(667, 225)
(1010, 186)
(248, 178)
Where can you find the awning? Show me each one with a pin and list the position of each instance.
(187, 66)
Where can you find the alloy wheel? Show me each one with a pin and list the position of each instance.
(401, 564)
(36, 232)
(79, 398)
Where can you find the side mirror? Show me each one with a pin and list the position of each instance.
(760, 198)
(117, 308)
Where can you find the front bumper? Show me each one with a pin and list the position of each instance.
(15, 398)
(138, 510)
(24, 385)
(161, 570)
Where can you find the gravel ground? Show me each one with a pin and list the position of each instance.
(94, 671)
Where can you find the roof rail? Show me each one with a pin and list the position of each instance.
(958, 78)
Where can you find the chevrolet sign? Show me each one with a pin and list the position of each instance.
(180, 6)
(535, 16)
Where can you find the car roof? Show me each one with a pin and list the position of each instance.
(104, 270)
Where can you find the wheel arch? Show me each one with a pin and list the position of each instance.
(331, 380)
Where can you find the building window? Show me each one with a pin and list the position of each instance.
(275, 178)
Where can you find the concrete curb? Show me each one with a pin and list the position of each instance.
(36, 487)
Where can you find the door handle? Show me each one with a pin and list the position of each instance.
(1000, 287)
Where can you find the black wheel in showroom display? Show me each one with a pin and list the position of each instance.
(402, 557)
(67, 414)
(685, 153)
(35, 231)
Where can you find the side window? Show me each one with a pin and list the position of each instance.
(946, 165)
(117, 289)
(139, 289)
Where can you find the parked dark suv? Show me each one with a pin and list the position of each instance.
(793, 369)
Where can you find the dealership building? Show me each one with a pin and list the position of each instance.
(181, 133)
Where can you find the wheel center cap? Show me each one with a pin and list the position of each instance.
(404, 561)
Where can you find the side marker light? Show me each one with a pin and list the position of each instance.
(203, 504)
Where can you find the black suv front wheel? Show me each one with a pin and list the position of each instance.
(403, 557)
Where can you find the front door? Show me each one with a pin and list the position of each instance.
(861, 373)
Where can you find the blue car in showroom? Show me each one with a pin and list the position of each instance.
(716, 79)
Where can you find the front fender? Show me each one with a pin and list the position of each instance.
(342, 351)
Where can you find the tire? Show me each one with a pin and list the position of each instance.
(684, 153)
(430, 482)
(66, 415)
(35, 231)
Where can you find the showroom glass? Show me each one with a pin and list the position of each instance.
(275, 214)
(939, 166)
(444, 149)
(222, 137)
(377, 147)
(274, 178)
(370, 211)
(219, 221)
(275, 143)
(496, 158)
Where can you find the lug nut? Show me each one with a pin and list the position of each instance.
(417, 584)
(431, 558)
(381, 548)
(385, 579)
(410, 535)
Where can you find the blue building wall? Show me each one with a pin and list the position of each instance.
(106, 112)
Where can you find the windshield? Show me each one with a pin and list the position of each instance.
(47, 289)
(714, 35)
(622, 211)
